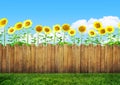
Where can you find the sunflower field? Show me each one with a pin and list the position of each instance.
(24, 33)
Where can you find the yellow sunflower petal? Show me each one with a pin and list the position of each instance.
(65, 27)
(27, 23)
(92, 33)
(47, 30)
(97, 25)
(11, 30)
(18, 26)
(3, 22)
(72, 32)
(82, 28)
(56, 28)
(38, 28)
(109, 29)
(102, 31)
(119, 25)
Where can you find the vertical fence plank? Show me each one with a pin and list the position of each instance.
(56, 58)
(12, 59)
(77, 55)
(81, 59)
(82, 56)
(17, 59)
(74, 58)
(28, 59)
(86, 58)
(65, 58)
(102, 56)
(45, 59)
(39, 58)
(4, 59)
(62, 58)
(8, 50)
(53, 59)
(49, 58)
(97, 56)
(115, 59)
(109, 59)
(91, 58)
(1, 49)
(33, 56)
(24, 57)
(70, 59)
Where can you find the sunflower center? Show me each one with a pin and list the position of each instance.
(11, 30)
(57, 28)
(103, 31)
(92, 33)
(47, 30)
(3, 22)
(27, 23)
(82, 29)
(19, 25)
(39, 29)
(97, 25)
(66, 27)
(109, 29)
(71, 32)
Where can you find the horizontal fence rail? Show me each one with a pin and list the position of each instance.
(59, 59)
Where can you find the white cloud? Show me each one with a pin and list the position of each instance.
(76, 24)
(106, 20)
(110, 20)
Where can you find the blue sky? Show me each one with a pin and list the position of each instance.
(50, 12)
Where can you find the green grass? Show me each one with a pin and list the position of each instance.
(59, 79)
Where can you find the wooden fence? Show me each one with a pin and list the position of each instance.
(60, 59)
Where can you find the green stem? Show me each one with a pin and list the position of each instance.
(45, 39)
(54, 38)
(27, 36)
(73, 39)
(37, 38)
(64, 38)
(4, 37)
(101, 39)
(81, 38)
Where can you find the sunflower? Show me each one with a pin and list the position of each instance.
(92, 33)
(56, 28)
(119, 25)
(72, 32)
(65, 27)
(3, 22)
(18, 26)
(82, 28)
(102, 31)
(109, 29)
(97, 25)
(39, 28)
(11, 30)
(47, 30)
(27, 23)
